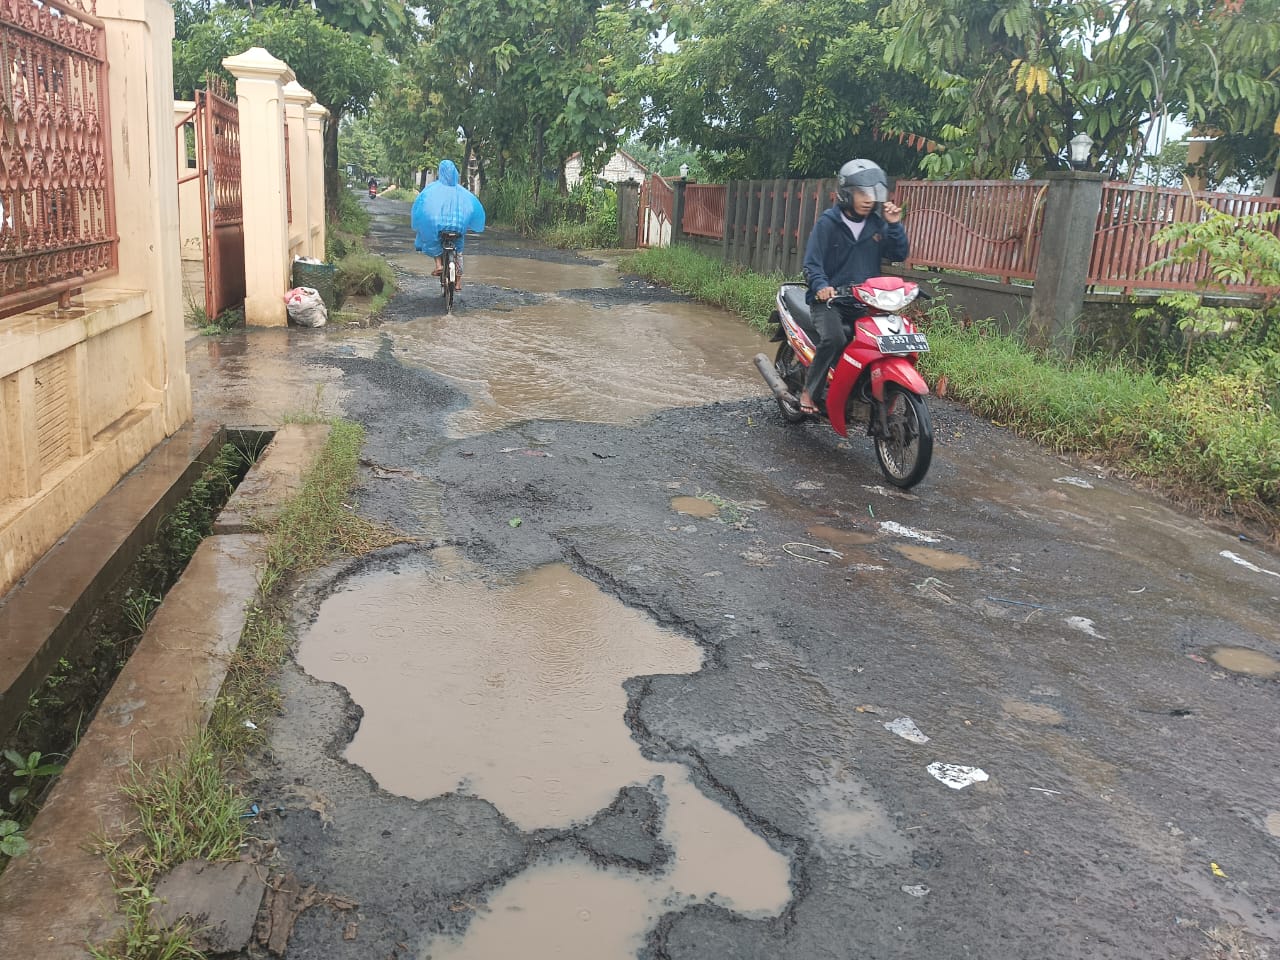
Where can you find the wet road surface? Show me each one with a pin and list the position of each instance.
(666, 677)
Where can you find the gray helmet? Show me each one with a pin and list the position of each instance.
(864, 177)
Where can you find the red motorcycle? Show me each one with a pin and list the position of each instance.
(875, 380)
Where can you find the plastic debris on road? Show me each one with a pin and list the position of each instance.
(1084, 625)
(906, 728)
(1235, 558)
(1080, 482)
(898, 530)
(1217, 870)
(915, 889)
(956, 776)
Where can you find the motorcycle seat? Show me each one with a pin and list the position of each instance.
(793, 298)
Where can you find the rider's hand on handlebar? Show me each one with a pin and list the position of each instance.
(825, 294)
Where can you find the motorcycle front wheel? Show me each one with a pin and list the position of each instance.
(792, 373)
(907, 450)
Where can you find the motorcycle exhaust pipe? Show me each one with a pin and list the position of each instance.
(770, 374)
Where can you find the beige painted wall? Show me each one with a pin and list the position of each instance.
(113, 380)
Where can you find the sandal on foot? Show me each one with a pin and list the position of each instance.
(437, 271)
(810, 408)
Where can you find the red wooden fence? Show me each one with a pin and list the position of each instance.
(704, 210)
(1130, 217)
(989, 227)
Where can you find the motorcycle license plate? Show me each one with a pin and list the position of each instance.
(903, 343)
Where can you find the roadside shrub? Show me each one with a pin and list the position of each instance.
(399, 193)
(586, 216)
(361, 273)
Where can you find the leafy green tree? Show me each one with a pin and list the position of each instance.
(342, 69)
(1017, 80)
(773, 88)
(527, 83)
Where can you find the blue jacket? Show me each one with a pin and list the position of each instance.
(833, 258)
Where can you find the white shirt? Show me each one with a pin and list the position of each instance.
(855, 226)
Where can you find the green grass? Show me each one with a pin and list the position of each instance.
(399, 193)
(1210, 437)
(710, 280)
(361, 273)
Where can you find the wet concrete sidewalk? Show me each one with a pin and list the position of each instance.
(641, 690)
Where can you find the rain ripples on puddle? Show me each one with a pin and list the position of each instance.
(513, 693)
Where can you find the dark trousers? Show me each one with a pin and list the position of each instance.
(829, 322)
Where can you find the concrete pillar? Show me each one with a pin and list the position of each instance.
(260, 80)
(317, 116)
(296, 100)
(1062, 273)
(677, 209)
(628, 214)
(139, 47)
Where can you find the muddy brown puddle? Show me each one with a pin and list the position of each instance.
(568, 360)
(513, 693)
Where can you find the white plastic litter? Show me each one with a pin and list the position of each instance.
(955, 776)
(1235, 558)
(906, 728)
(1084, 625)
(1075, 482)
(898, 530)
(305, 307)
(915, 889)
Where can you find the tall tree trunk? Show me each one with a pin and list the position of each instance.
(332, 180)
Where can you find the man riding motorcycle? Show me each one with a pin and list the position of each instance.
(847, 245)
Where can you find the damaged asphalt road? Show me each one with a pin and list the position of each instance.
(1072, 637)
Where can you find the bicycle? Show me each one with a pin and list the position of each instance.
(450, 266)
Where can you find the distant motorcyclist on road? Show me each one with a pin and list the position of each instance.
(445, 205)
(846, 246)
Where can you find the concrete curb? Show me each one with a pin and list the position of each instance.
(59, 896)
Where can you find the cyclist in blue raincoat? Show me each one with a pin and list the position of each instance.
(445, 205)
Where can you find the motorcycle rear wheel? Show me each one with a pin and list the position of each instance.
(905, 454)
(791, 371)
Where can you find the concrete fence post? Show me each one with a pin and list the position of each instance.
(1062, 272)
(628, 214)
(297, 99)
(317, 116)
(260, 80)
(677, 209)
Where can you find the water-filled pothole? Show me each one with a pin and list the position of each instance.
(514, 694)
(1255, 663)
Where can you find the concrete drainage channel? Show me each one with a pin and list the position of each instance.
(59, 895)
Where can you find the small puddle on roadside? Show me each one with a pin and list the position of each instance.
(514, 694)
(840, 538)
(935, 559)
(694, 507)
(1255, 663)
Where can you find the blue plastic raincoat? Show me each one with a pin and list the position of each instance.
(444, 205)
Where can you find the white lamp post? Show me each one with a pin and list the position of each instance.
(1079, 147)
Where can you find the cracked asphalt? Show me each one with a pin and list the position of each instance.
(1036, 618)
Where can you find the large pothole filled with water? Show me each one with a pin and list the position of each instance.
(514, 693)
